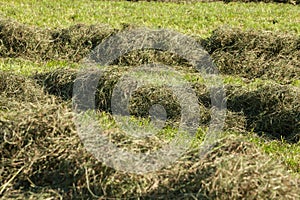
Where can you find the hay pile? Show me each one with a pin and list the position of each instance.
(73, 43)
(40, 160)
(252, 55)
(272, 110)
(248, 54)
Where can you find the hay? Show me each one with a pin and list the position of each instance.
(33, 43)
(47, 163)
(248, 54)
(270, 109)
(57, 82)
(40, 151)
(60, 83)
(28, 135)
(244, 174)
(40, 147)
(252, 55)
(140, 57)
(18, 87)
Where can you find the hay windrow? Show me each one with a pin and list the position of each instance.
(270, 109)
(255, 55)
(18, 87)
(51, 162)
(73, 43)
(42, 151)
(249, 54)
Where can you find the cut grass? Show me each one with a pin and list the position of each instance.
(37, 134)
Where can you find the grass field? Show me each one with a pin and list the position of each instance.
(256, 48)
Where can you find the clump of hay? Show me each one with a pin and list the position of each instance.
(141, 57)
(271, 109)
(243, 173)
(235, 169)
(18, 87)
(57, 82)
(255, 55)
(33, 43)
(27, 139)
(47, 160)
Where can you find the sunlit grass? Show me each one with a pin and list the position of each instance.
(192, 18)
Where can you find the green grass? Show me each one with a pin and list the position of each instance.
(27, 68)
(192, 18)
(280, 150)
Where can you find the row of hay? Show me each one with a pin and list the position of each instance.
(249, 54)
(39, 159)
(270, 109)
(18, 40)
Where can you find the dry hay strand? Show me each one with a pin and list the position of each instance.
(271, 109)
(255, 55)
(33, 43)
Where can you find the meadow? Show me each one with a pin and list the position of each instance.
(255, 47)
